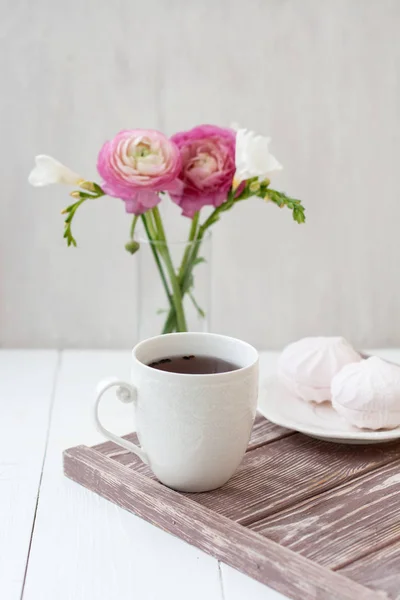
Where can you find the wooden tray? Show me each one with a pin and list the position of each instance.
(310, 519)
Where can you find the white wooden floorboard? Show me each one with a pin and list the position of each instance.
(85, 548)
(26, 385)
(237, 586)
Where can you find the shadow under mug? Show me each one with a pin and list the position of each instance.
(193, 429)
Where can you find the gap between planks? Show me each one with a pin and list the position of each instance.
(221, 580)
(393, 543)
(309, 483)
(316, 495)
(379, 571)
(338, 527)
(289, 472)
(49, 418)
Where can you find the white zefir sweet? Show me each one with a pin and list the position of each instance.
(367, 394)
(307, 367)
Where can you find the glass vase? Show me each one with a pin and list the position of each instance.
(173, 286)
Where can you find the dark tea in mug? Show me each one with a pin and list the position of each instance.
(192, 364)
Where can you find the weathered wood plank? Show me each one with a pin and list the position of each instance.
(379, 571)
(279, 475)
(277, 481)
(245, 550)
(339, 526)
(264, 432)
(275, 476)
(113, 450)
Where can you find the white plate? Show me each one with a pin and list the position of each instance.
(320, 421)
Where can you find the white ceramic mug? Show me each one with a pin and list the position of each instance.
(193, 429)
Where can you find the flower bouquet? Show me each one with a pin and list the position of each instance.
(208, 166)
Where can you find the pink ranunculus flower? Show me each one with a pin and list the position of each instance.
(208, 167)
(136, 165)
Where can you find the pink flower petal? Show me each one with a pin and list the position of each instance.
(208, 167)
(125, 170)
(141, 201)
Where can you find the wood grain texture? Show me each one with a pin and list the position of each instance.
(264, 432)
(26, 390)
(230, 542)
(379, 571)
(282, 474)
(269, 480)
(339, 526)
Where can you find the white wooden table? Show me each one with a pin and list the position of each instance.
(59, 541)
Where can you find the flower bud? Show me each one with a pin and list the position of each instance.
(87, 185)
(75, 194)
(254, 186)
(132, 246)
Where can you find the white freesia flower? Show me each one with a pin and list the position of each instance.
(48, 170)
(252, 157)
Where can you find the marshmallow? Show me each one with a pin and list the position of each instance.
(367, 394)
(307, 367)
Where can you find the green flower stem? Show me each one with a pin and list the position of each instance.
(170, 321)
(191, 253)
(151, 236)
(192, 236)
(185, 276)
(70, 212)
(133, 226)
(176, 291)
(96, 192)
(252, 188)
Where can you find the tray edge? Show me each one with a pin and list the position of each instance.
(258, 557)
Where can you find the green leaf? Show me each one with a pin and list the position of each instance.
(298, 214)
(199, 260)
(200, 311)
(190, 282)
(161, 311)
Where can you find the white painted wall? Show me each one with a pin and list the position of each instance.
(321, 77)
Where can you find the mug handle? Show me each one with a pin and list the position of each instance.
(126, 393)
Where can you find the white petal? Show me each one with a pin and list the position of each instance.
(49, 170)
(252, 156)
